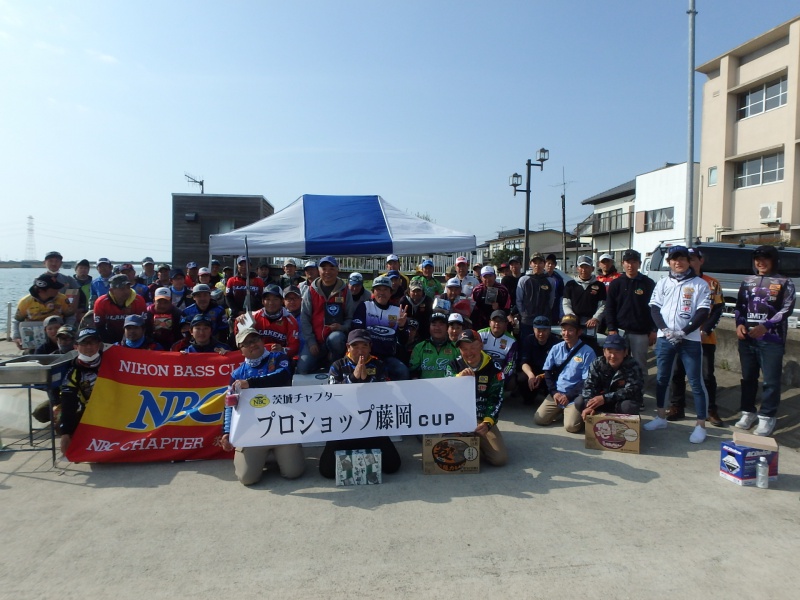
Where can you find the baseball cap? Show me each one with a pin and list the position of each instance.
(289, 261)
(101, 261)
(551, 258)
(468, 335)
(244, 334)
(85, 334)
(126, 267)
(176, 273)
(201, 319)
(393, 274)
(503, 265)
(415, 285)
(455, 318)
(330, 260)
(309, 264)
(541, 322)
(392, 257)
(585, 260)
(462, 259)
(537, 256)
(695, 252)
(631, 254)
(615, 341)
(163, 267)
(241, 259)
(119, 281)
(148, 261)
(162, 292)
(384, 281)
(427, 263)
(204, 271)
(514, 259)
(200, 288)
(134, 321)
(356, 278)
(359, 335)
(65, 331)
(488, 270)
(571, 320)
(675, 251)
(53, 254)
(45, 281)
(274, 289)
(215, 262)
(767, 251)
(191, 265)
(497, 314)
(438, 315)
(83, 263)
(454, 282)
(292, 289)
(605, 256)
(53, 320)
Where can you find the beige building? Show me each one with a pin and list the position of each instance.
(749, 162)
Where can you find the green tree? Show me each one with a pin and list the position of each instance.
(502, 256)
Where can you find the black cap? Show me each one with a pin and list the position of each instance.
(176, 273)
(541, 322)
(551, 258)
(498, 314)
(46, 281)
(695, 252)
(83, 263)
(514, 259)
(438, 315)
(468, 335)
(359, 335)
(770, 252)
(201, 319)
(119, 281)
(675, 251)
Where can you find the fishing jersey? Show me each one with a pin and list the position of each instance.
(193, 347)
(766, 300)
(319, 312)
(75, 393)
(381, 322)
(284, 331)
(271, 370)
(535, 297)
(431, 286)
(717, 307)
(142, 290)
(502, 349)
(468, 283)
(488, 386)
(236, 293)
(607, 279)
(216, 314)
(429, 360)
(163, 327)
(98, 288)
(181, 298)
(341, 371)
(679, 299)
(31, 308)
(109, 317)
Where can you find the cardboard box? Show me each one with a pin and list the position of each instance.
(358, 467)
(616, 433)
(448, 454)
(739, 457)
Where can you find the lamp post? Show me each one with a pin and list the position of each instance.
(516, 180)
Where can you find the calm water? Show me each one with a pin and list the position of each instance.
(14, 284)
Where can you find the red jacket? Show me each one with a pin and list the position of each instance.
(284, 331)
(236, 293)
(109, 317)
(318, 312)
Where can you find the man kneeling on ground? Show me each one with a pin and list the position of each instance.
(261, 369)
(615, 383)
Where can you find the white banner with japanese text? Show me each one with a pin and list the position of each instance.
(320, 413)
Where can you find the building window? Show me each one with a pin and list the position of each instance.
(660, 219)
(214, 226)
(762, 98)
(758, 171)
(712, 176)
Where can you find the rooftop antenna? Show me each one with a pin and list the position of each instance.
(30, 242)
(193, 179)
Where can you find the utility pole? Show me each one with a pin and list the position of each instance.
(563, 218)
(690, 151)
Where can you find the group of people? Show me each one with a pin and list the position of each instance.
(492, 325)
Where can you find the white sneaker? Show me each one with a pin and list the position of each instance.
(765, 425)
(747, 420)
(657, 423)
(698, 435)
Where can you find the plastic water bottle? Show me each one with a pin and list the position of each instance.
(762, 473)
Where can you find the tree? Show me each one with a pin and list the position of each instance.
(502, 256)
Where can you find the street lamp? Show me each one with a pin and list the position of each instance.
(516, 180)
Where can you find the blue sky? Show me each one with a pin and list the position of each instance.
(431, 104)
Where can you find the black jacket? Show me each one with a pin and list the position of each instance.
(627, 304)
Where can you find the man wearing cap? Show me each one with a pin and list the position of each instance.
(180, 294)
(134, 336)
(65, 339)
(535, 348)
(453, 300)
(585, 297)
(565, 370)
(429, 358)
(148, 274)
(51, 326)
(63, 342)
(201, 338)
(162, 280)
(708, 339)
(84, 281)
(216, 273)
(274, 325)
(99, 285)
(535, 295)
(52, 262)
(474, 362)
(358, 365)
(418, 306)
(293, 302)
(163, 320)
(550, 264)
(510, 280)
(430, 285)
(204, 305)
(290, 275)
(325, 317)
(467, 279)
(680, 304)
(608, 270)
(140, 288)
(43, 299)
(615, 383)
(765, 301)
(76, 390)
(203, 276)
(489, 296)
(627, 310)
(455, 325)
(356, 284)
(393, 264)
(501, 346)
(110, 310)
(262, 270)
(310, 273)
(191, 274)
(386, 325)
(236, 289)
(261, 369)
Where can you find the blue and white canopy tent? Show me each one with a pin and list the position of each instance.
(341, 226)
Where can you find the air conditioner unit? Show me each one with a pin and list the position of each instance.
(770, 213)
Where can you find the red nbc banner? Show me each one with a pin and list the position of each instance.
(155, 406)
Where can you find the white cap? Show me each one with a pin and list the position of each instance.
(488, 270)
(455, 318)
(392, 257)
(605, 257)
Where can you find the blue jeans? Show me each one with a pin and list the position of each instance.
(331, 350)
(768, 357)
(691, 355)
